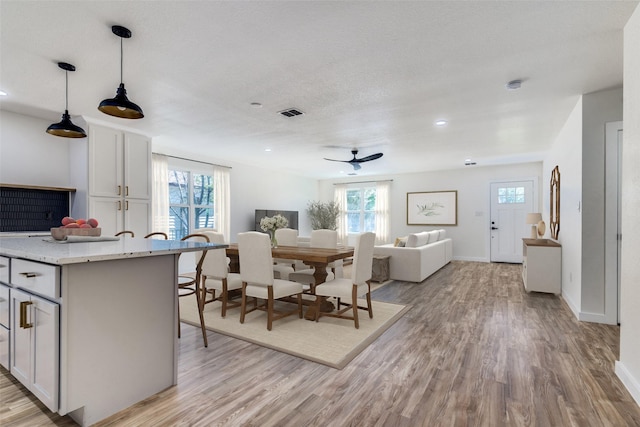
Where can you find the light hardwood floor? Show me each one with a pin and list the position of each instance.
(475, 350)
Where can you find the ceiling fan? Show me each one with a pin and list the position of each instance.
(356, 162)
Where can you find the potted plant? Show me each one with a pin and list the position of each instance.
(323, 215)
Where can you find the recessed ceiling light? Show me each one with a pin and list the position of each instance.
(267, 149)
(441, 122)
(514, 85)
(3, 93)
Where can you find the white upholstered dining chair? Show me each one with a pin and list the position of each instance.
(283, 267)
(319, 239)
(351, 288)
(216, 276)
(256, 272)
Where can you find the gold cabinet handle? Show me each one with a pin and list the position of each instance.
(126, 205)
(119, 205)
(29, 274)
(23, 315)
(119, 190)
(126, 190)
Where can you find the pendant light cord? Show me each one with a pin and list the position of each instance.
(66, 90)
(121, 60)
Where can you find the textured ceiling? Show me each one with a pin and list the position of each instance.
(367, 75)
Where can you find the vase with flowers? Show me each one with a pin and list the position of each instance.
(271, 224)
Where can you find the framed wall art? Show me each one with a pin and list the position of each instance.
(432, 208)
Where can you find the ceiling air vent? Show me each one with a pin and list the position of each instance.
(291, 112)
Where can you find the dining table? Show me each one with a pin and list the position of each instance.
(318, 258)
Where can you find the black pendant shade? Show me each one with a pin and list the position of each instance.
(66, 128)
(120, 106)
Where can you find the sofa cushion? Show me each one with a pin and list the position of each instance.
(442, 234)
(433, 236)
(415, 240)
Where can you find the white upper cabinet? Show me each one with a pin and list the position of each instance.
(120, 163)
(111, 171)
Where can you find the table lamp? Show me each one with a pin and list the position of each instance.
(534, 219)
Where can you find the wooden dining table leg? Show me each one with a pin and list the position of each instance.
(319, 276)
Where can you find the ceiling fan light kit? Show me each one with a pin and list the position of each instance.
(120, 106)
(65, 128)
(356, 162)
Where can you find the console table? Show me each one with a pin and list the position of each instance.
(542, 265)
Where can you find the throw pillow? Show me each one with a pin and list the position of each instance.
(400, 242)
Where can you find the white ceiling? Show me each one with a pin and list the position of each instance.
(371, 75)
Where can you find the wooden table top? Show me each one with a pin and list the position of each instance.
(321, 255)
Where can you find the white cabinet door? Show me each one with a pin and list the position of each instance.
(109, 212)
(137, 172)
(105, 162)
(35, 342)
(45, 343)
(20, 338)
(136, 216)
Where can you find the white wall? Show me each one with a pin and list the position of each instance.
(579, 152)
(471, 237)
(628, 367)
(566, 153)
(29, 155)
(597, 109)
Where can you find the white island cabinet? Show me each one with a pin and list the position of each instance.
(94, 325)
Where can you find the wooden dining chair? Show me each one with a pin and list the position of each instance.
(157, 234)
(256, 272)
(359, 283)
(216, 277)
(189, 284)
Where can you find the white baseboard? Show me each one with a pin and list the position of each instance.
(474, 259)
(595, 318)
(571, 305)
(631, 383)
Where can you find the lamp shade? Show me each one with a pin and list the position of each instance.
(120, 106)
(66, 128)
(533, 218)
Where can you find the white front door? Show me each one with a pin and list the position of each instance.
(511, 201)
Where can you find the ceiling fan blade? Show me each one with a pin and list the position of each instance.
(369, 158)
(334, 160)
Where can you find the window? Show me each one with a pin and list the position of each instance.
(190, 202)
(361, 205)
(511, 195)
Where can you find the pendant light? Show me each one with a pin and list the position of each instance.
(120, 106)
(66, 128)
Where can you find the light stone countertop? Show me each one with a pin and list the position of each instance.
(43, 249)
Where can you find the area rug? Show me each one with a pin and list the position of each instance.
(332, 342)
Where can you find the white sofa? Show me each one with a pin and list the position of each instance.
(422, 255)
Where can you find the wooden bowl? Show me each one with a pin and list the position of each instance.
(61, 233)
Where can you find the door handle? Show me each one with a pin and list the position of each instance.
(23, 315)
(494, 228)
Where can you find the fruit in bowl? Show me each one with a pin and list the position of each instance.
(76, 227)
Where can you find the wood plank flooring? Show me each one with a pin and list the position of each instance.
(475, 350)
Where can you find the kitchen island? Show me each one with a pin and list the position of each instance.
(93, 325)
